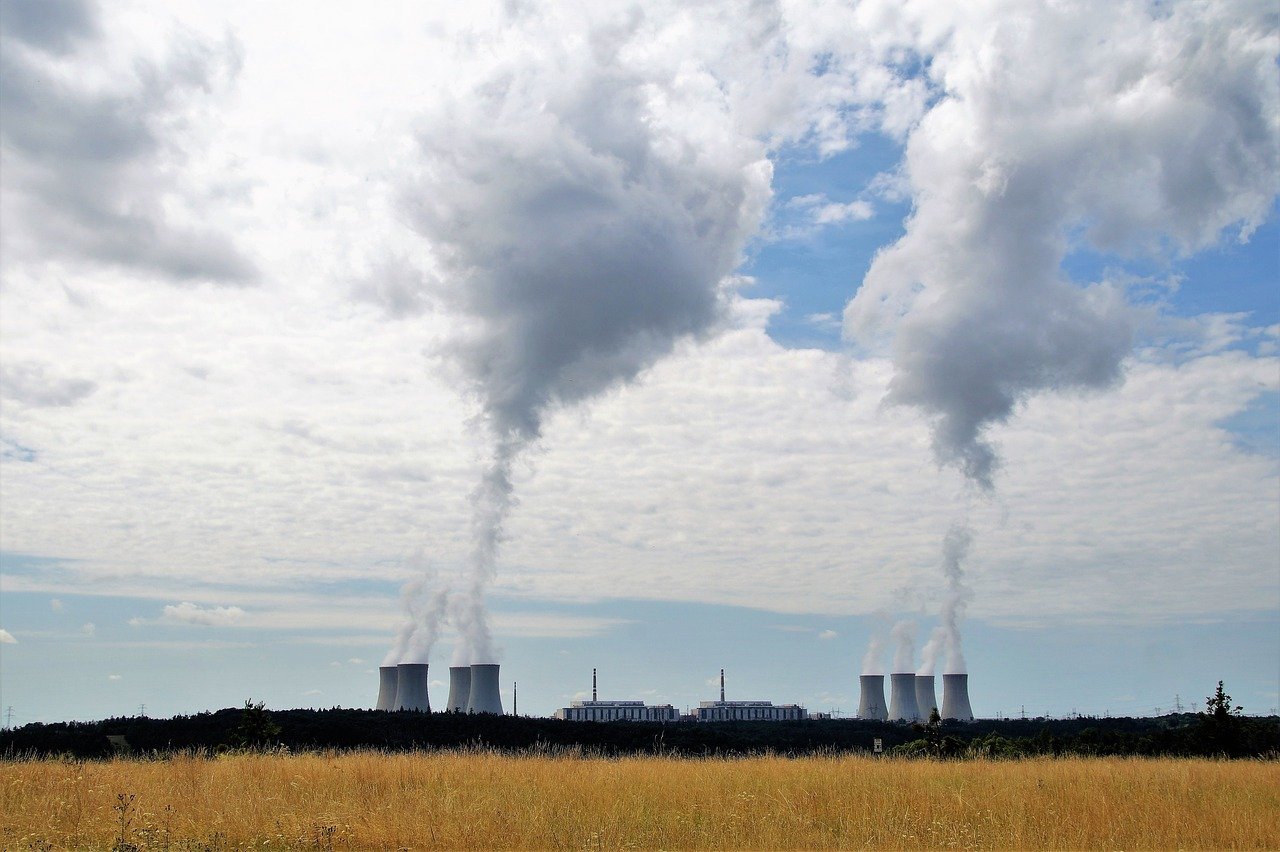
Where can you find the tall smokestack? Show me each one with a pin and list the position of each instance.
(388, 682)
(926, 698)
(955, 697)
(411, 688)
(514, 694)
(903, 697)
(484, 696)
(459, 688)
(871, 703)
(593, 684)
(722, 684)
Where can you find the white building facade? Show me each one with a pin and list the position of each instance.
(617, 711)
(749, 711)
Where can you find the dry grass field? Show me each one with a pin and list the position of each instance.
(370, 800)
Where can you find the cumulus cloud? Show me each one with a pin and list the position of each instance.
(213, 616)
(1156, 144)
(90, 164)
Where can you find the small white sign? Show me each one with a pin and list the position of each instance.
(878, 746)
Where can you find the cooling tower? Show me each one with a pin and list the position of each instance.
(459, 688)
(926, 699)
(411, 692)
(484, 689)
(903, 697)
(955, 697)
(388, 681)
(871, 704)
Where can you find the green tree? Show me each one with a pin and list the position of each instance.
(256, 728)
(1220, 724)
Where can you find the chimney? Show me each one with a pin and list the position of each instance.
(459, 688)
(388, 681)
(411, 688)
(593, 684)
(871, 703)
(926, 698)
(514, 686)
(722, 686)
(903, 697)
(955, 697)
(484, 696)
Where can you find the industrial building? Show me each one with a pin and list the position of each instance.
(747, 711)
(596, 710)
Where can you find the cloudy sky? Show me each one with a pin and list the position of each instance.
(661, 339)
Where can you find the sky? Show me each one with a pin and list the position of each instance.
(644, 338)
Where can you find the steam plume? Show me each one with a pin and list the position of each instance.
(904, 652)
(955, 547)
(1155, 145)
(424, 614)
(932, 648)
(576, 234)
(873, 660)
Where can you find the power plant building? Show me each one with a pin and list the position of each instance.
(617, 711)
(749, 711)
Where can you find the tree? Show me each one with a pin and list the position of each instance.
(256, 729)
(1220, 724)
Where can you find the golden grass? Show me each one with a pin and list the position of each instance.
(369, 800)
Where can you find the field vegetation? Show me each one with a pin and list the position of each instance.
(480, 799)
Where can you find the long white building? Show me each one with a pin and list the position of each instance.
(617, 711)
(749, 711)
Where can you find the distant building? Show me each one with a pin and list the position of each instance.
(617, 711)
(749, 711)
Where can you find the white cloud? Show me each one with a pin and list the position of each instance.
(189, 613)
(55, 604)
(6, 638)
(114, 677)
(828, 634)
(89, 629)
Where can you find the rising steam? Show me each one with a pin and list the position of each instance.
(424, 601)
(904, 646)
(583, 213)
(873, 660)
(955, 547)
(929, 653)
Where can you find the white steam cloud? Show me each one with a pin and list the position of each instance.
(932, 649)
(1036, 144)
(585, 202)
(904, 646)
(873, 660)
(955, 547)
(425, 601)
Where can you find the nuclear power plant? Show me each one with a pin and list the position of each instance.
(459, 689)
(926, 702)
(483, 696)
(474, 689)
(411, 687)
(871, 700)
(955, 697)
(388, 681)
(902, 697)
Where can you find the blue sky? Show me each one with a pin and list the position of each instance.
(250, 411)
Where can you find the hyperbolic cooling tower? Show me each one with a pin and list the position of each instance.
(459, 688)
(484, 689)
(926, 699)
(955, 697)
(903, 697)
(388, 682)
(871, 704)
(411, 693)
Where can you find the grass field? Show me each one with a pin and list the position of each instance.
(370, 800)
